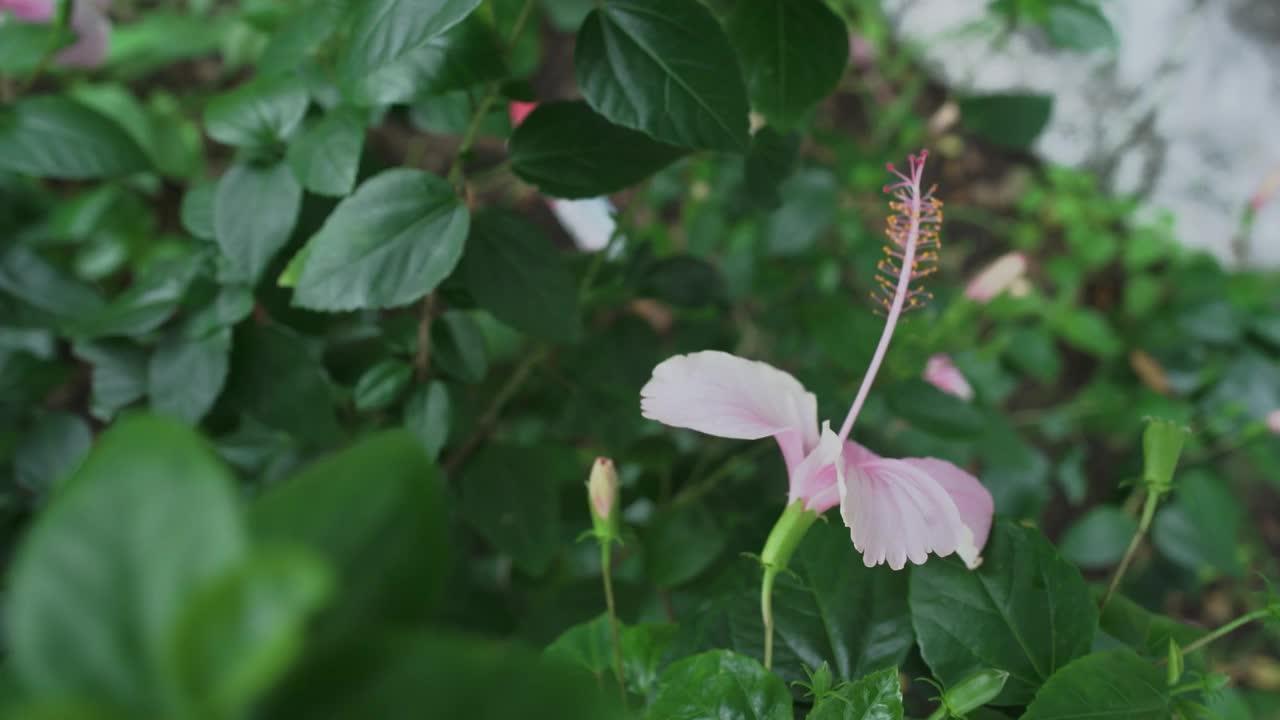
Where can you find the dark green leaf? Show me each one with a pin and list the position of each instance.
(809, 202)
(375, 512)
(513, 271)
(33, 280)
(1026, 610)
(1012, 121)
(197, 210)
(240, 634)
(468, 55)
(510, 495)
(1146, 632)
(403, 675)
(186, 376)
(666, 68)
(684, 281)
(770, 163)
(720, 684)
(569, 151)
(877, 696)
(1098, 540)
(50, 450)
(590, 645)
(793, 53)
(254, 213)
(326, 156)
(119, 376)
(1200, 528)
(232, 304)
(459, 347)
(1111, 685)
(384, 31)
(147, 304)
(680, 543)
(830, 608)
(932, 410)
(258, 114)
(427, 416)
(389, 244)
(101, 580)
(382, 384)
(55, 137)
(277, 381)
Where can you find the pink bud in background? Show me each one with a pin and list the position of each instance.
(997, 277)
(519, 111)
(943, 374)
(1273, 422)
(1266, 192)
(93, 28)
(32, 11)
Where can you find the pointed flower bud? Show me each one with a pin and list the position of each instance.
(602, 491)
(974, 691)
(1161, 446)
(999, 276)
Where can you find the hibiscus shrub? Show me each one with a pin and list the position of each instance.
(318, 315)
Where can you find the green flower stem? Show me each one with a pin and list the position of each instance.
(1144, 524)
(778, 549)
(606, 572)
(1227, 629)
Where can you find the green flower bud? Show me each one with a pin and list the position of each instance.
(1161, 446)
(974, 691)
(1176, 666)
(602, 492)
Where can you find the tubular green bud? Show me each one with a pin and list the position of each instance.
(974, 691)
(1161, 446)
(602, 491)
(1175, 667)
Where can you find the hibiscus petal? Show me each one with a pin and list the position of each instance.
(973, 501)
(89, 20)
(724, 395)
(814, 479)
(897, 512)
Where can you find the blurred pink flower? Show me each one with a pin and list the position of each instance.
(896, 509)
(1273, 422)
(519, 111)
(943, 374)
(32, 11)
(88, 19)
(1266, 191)
(999, 276)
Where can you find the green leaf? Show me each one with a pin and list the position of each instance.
(1086, 329)
(326, 156)
(254, 213)
(1199, 530)
(147, 304)
(1116, 684)
(258, 114)
(1026, 610)
(389, 244)
(53, 137)
(37, 282)
(720, 684)
(382, 384)
(1146, 632)
(232, 304)
(590, 646)
(459, 346)
(427, 416)
(683, 281)
(240, 634)
(809, 201)
(186, 375)
(830, 608)
(1098, 540)
(680, 543)
(101, 580)
(22, 45)
(877, 696)
(1076, 25)
(793, 53)
(513, 271)
(197, 210)
(1012, 121)
(276, 380)
(567, 150)
(402, 675)
(510, 496)
(384, 31)
(934, 411)
(385, 538)
(770, 163)
(468, 55)
(119, 376)
(666, 68)
(50, 450)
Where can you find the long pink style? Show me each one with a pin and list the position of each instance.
(913, 226)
